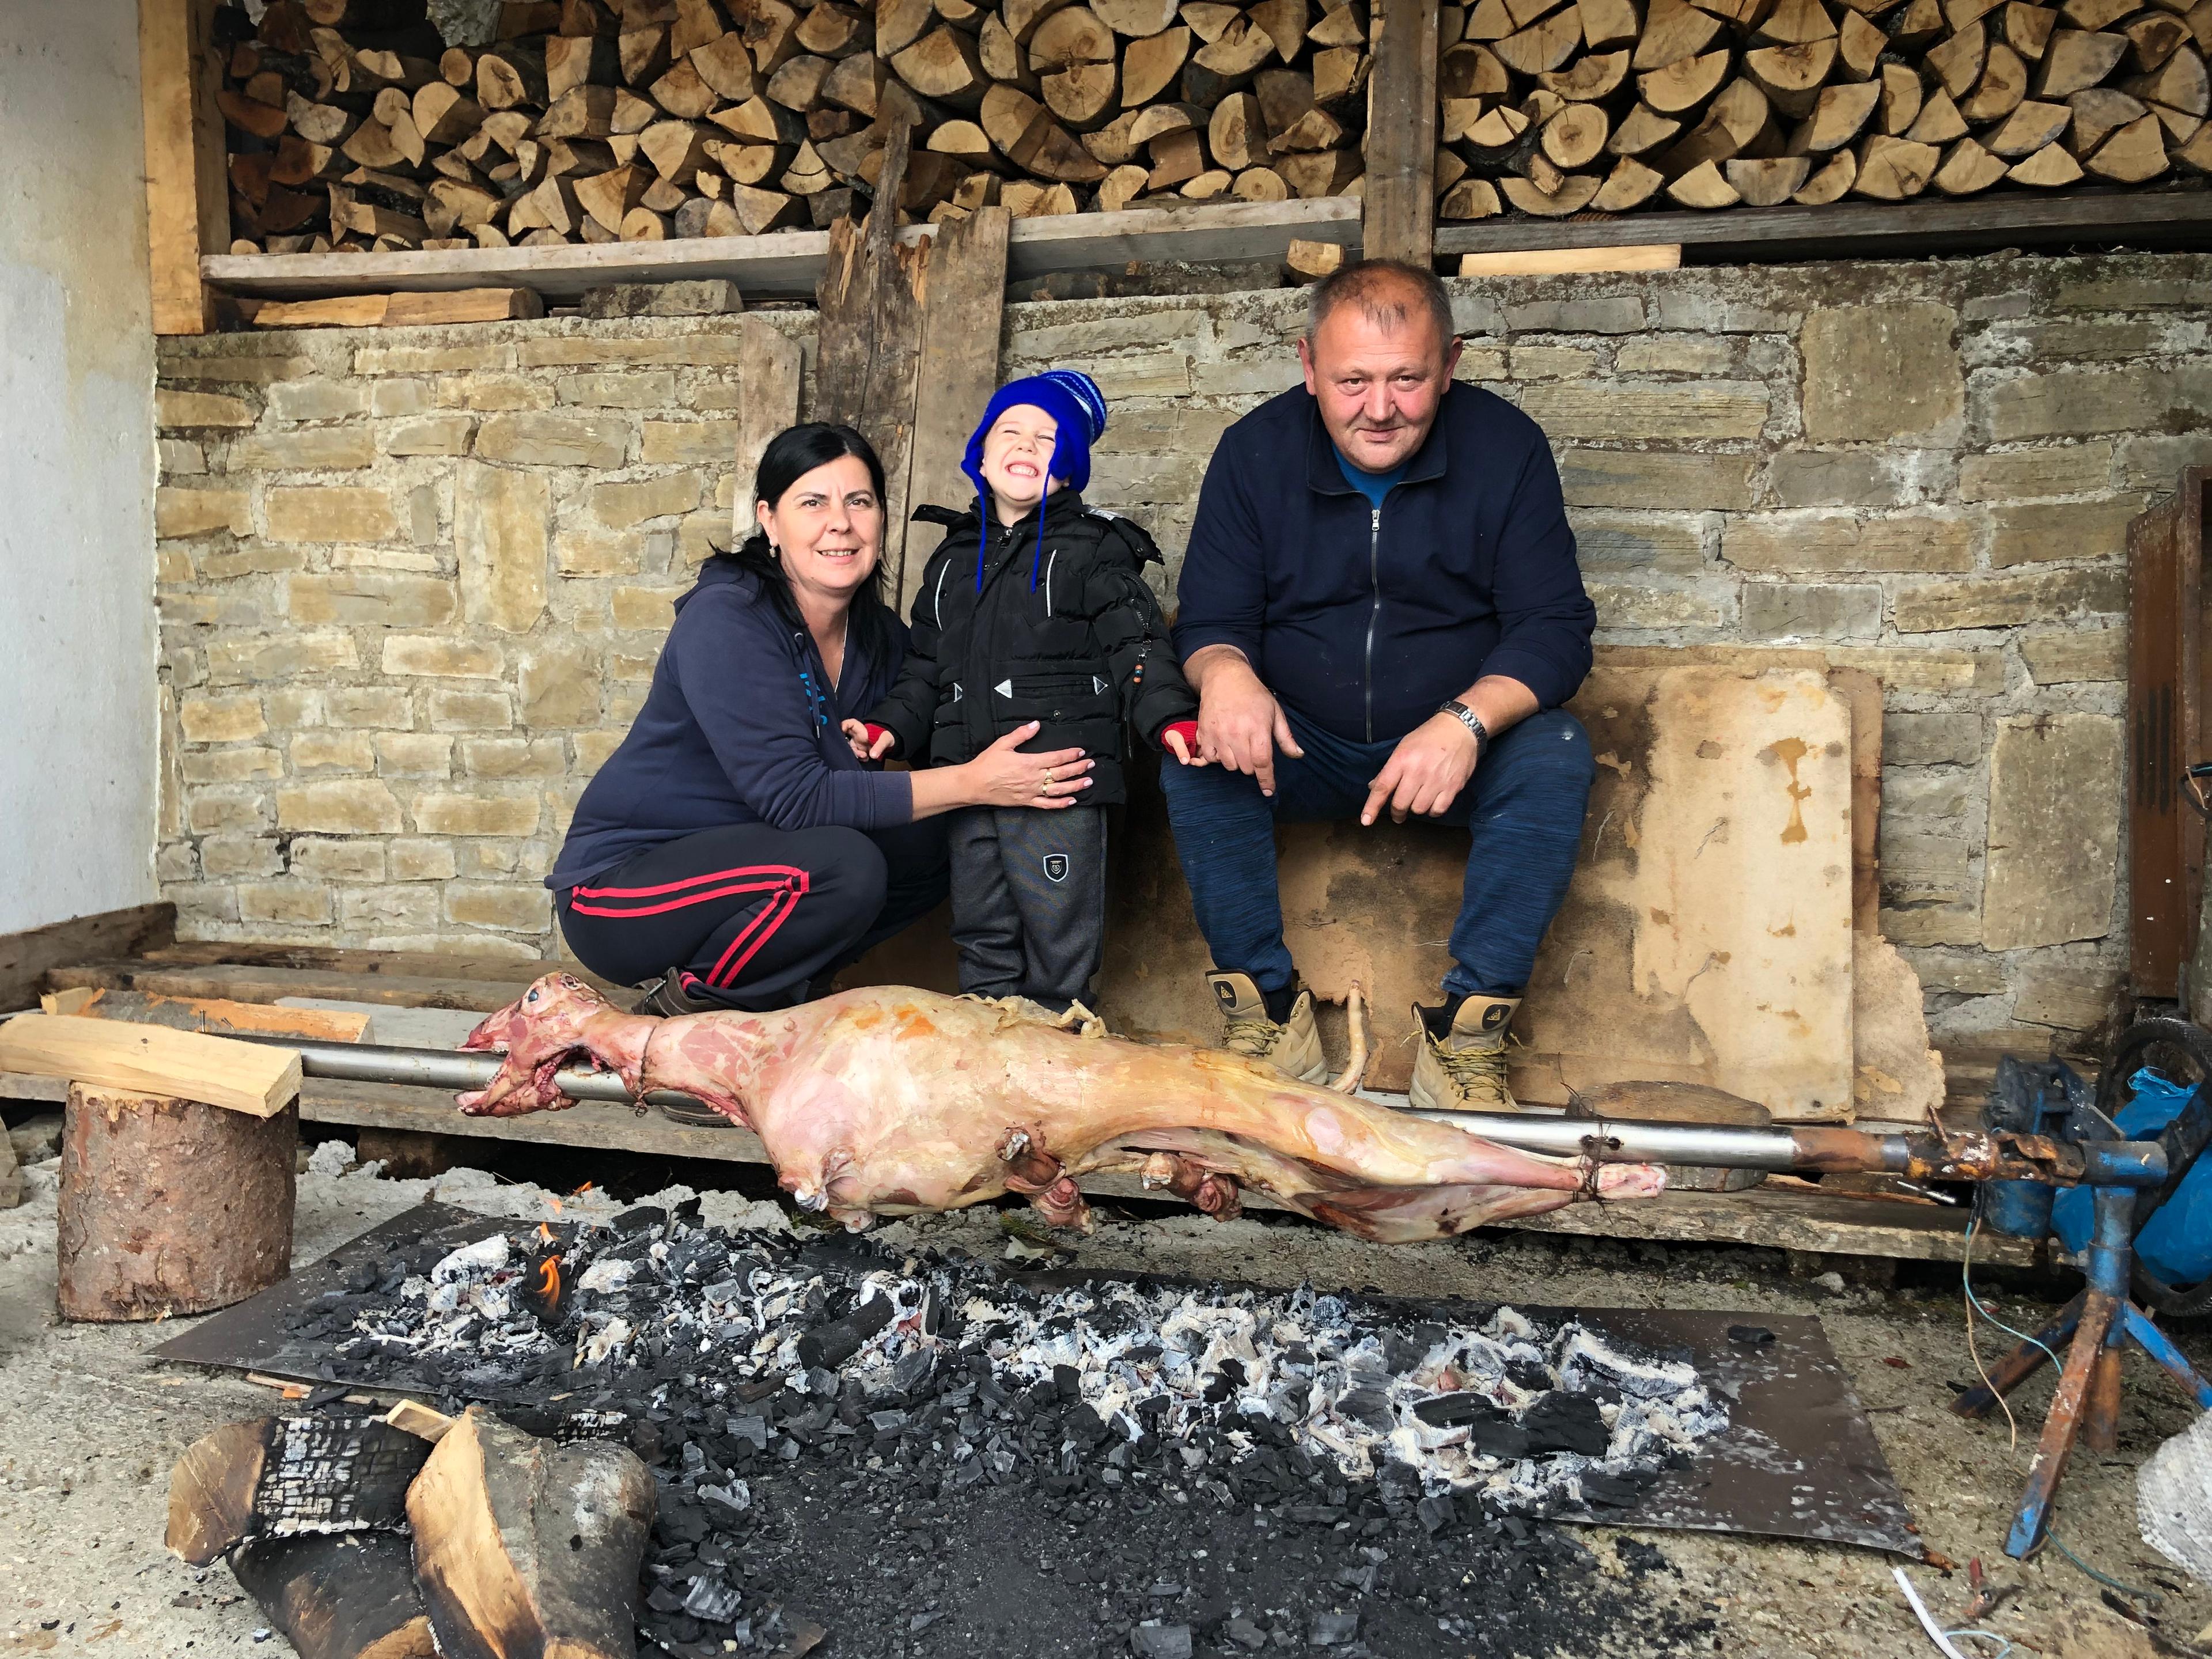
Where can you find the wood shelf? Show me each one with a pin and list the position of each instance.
(785, 264)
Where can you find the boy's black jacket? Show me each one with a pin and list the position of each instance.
(1085, 651)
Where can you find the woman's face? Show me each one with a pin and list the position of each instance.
(828, 528)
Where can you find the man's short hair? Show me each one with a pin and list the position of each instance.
(1388, 292)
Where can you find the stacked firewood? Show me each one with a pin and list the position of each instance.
(1554, 106)
(637, 120)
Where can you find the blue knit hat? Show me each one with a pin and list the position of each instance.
(1075, 404)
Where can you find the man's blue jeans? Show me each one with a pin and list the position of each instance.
(1523, 805)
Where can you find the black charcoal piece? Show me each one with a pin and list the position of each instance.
(831, 1344)
(1449, 1411)
(1333, 1630)
(1562, 1422)
(1160, 1642)
(1752, 1336)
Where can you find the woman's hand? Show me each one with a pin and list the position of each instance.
(856, 734)
(1003, 776)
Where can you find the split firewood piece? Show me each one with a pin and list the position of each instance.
(1319, 173)
(1791, 77)
(1027, 199)
(1938, 122)
(856, 83)
(1283, 22)
(1049, 150)
(1178, 158)
(797, 85)
(1957, 62)
(2048, 169)
(1608, 23)
(2094, 115)
(1209, 20)
(756, 121)
(2180, 83)
(1258, 184)
(1082, 96)
(2197, 154)
(1489, 20)
(1543, 46)
(1207, 186)
(1839, 115)
(1895, 169)
(1960, 13)
(1127, 182)
(1496, 139)
(900, 23)
(1472, 72)
(1236, 136)
(2075, 59)
(1470, 198)
(1999, 92)
(1598, 75)
(1967, 167)
(1831, 182)
(1225, 63)
(1575, 193)
(683, 93)
(445, 115)
(1642, 131)
(1704, 187)
(1316, 130)
(1311, 261)
(675, 149)
(1576, 135)
(579, 112)
(831, 30)
(1859, 48)
(1347, 25)
(1920, 22)
(244, 1077)
(1795, 22)
(351, 1597)
(1630, 184)
(280, 1477)
(1339, 73)
(1285, 97)
(522, 1546)
(1150, 66)
(512, 73)
(771, 29)
(2096, 14)
(1674, 31)
(1731, 126)
(1138, 18)
(2155, 37)
(2137, 152)
(943, 64)
(1768, 181)
(2027, 28)
(608, 196)
(1681, 87)
(2031, 127)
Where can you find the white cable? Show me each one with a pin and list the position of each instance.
(1927, 1622)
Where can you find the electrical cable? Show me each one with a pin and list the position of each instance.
(2150, 1597)
(1973, 1307)
(2004, 1642)
(1926, 1619)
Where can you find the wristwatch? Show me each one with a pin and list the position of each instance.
(1467, 717)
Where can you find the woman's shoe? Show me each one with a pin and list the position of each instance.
(666, 997)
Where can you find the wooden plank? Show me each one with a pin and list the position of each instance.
(187, 200)
(250, 984)
(790, 263)
(460, 304)
(963, 307)
(769, 369)
(1399, 189)
(25, 958)
(2174, 218)
(208, 1016)
(244, 1077)
(340, 959)
(1567, 261)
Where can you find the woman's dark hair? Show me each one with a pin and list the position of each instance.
(791, 455)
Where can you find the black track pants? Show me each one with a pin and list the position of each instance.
(753, 914)
(1029, 901)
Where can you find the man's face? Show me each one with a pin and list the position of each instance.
(1378, 384)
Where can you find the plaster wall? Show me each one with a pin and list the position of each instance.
(79, 740)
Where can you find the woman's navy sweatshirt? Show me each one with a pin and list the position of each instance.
(740, 726)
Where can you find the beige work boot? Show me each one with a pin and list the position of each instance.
(1464, 1069)
(1293, 1046)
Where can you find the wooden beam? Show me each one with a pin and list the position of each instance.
(769, 367)
(26, 957)
(1566, 261)
(1400, 221)
(208, 1016)
(963, 308)
(245, 1077)
(187, 201)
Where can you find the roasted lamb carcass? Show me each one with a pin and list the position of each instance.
(888, 1101)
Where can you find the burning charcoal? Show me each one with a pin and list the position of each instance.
(1567, 1423)
(1333, 1630)
(1449, 1411)
(641, 1218)
(1150, 1641)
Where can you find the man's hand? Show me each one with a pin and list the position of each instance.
(1424, 773)
(1240, 724)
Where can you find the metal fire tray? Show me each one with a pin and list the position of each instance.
(1798, 1460)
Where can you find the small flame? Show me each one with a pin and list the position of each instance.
(555, 1202)
(582, 1190)
(549, 1279)
(544, 1232)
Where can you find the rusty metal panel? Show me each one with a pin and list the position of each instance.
(2163, 600)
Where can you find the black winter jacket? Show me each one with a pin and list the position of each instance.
(1085, 651)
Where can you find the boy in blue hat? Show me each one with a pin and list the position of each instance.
(1033, 607)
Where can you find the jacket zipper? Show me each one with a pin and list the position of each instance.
(1374, 607)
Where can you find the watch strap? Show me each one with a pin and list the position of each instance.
(1467, 717)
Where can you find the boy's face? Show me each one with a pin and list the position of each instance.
(1017, 460)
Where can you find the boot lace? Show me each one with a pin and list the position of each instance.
(1475, 1071)
(1256, 1036)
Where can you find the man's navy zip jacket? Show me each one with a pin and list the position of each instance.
(1364, 620)
(740, 726)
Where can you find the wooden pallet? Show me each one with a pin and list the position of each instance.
(1772, 1217)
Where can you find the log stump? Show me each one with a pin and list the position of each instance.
(170, 1206)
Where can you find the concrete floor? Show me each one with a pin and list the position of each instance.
(90, 1427)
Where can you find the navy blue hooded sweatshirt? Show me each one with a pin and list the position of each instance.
(740, 726)
(1364, 620)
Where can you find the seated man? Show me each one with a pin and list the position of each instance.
(1380, 611)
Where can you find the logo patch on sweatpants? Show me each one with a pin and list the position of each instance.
(1055, 867)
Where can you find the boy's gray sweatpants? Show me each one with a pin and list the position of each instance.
(1029, 901)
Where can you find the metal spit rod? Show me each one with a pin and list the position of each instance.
(1925, 1155)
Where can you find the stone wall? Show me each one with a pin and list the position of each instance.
(413, 581)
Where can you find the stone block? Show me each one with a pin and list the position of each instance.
(593, 749)
(502, 533)
(478, 814)
(1833, 477)
(1675, 354)
(250, 559)
(326, 449)
(539, 440)
(240, 858)
(446, 659)
(330, 514)
(221, 720)
(2067, 998)
(279, 657)
(403, 397)
(686, 349)
(176, 410)
(1130, 331)
(285, 903)
(2156, 462)
(644, 607)
(202, 906)
(2021, 474)
(292, 706)
(1946, 739)
(1913, 795)
(1921, 869)
(351, 807)
(413, 859)
(2101, 339)
(1714, 409)
(233, 765)
(2008, 601)
(675, 443)
(176, 860)
(1881, 371)
(239, 370)
(373, 598)
(197, 512)
(1638, 541)
(654, 389)
(172, 566)
(322, 858)
(414, 755)
(1843, 610)
(431, 359)
(175, 456)
(1818, 543)
(1917, 668)
(316, 400)
(623, 506)
(2131, 293)
(578, 555)
(1479, 364)
(1621, 605)
(513, 757)
(1552, 362)
(1702, 311)
(1621, 313)
(2096, 654)
(2062, 530)
(2067, 402)
(496, 394)
(1164, 374)
(1121, 481)
(470, 711)
(2054, 828)
(433, 434)
(368, 705)
(1261, 374)
(333, 751)
(511, 908)
(1965, 973)
(210, 812)
(558, 684)
(382, 911)
(1656, 478)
